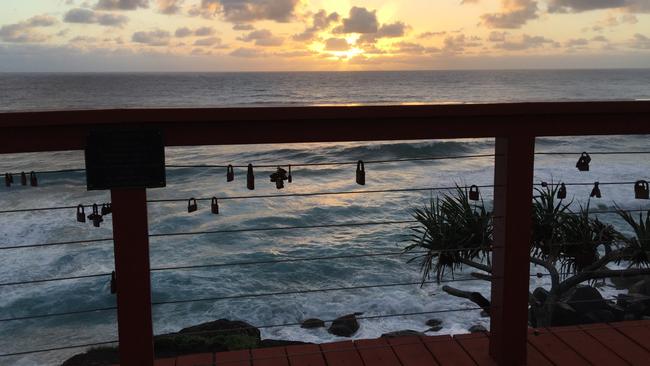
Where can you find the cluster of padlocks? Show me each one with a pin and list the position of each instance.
(97, 215)
(33, 180)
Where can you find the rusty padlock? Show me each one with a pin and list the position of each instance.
(361, 173)
(595, 192)
(8, 179)
(544, 184)
(33, 180)
(192, 205)
(561, 193)
(250, 178)
(583, 162)
(95, 217)
(215, 206)
(279, 177)
(107, 209)
(230, 173)
(641, 190)
(473, 193)
(23, 179)
(81, 215)
(289, 178)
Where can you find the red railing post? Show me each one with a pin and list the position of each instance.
(513, 178)
(131, 236)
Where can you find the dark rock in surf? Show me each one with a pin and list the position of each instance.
(402, 333)
(434, 322)
(312, 323)
(477, 329)
(345, 326)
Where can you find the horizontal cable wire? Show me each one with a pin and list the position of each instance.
(397, 190)
(280, 228)
(51, 315)
(35, 281)
(306, 291)
(73, 242)
(593, 153)
(58, 348)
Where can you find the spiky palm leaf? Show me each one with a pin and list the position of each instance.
(638, 246)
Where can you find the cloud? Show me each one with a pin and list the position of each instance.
(600, 39)
(336, 44)
(514, 14)
(152, 38)
(394, 30)
(640, 41)
(242, 27)
(169, 6)
(497, 36)
(199, 32)
(87, 16)
(431, 34)
(262, 37)
(360, 21)
(577, 6)
(414, 48)
(525, 43)
(320, 21)
(211, 41)
(458, 43)
(121, 4)
(243, 11)
(577, 42)
(23, 32)
(247, 53)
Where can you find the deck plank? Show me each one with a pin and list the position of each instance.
(624, 347)
(376, 352)
(275, 356)
(165, 362)
(305, 355)
(554, 349)
(233, 358)
(587, 346)
(200, 359)
(447, 351)
(341, 354)
(477, 345)
(638, 333)
(412, 352)
(535, 358)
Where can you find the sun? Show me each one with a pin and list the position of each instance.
(348, 54)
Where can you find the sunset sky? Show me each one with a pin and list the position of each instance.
(296, 35)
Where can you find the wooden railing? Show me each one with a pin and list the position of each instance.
(514, 127)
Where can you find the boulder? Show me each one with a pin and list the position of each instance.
(477, 329)
(345, 326)
(585, 299)
(94, 357)
(223, 327)
(402, 333)
(640, 288)
(434, 322)
(437, 328)
(312, 323)
(622, 283)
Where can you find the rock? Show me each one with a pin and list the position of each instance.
(434, 322)
(622, 283)
(345, 326)
(434, 329)
(640, 288)
(223, 327)
(402, 333)
(540, 294)
(267, 343)
(312, 323)
(585, 299)
(485, 314)
(95, 357)
(477, 329)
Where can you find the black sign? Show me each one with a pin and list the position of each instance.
(125, 159)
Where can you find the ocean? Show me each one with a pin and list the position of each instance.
(20, 92)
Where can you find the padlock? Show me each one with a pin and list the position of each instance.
(595, 192)
(289, 178)
(544, 184)
(230, 173)
(23, 179)
(8, 179)
(33, 181)
(583, 162)
(107, 209)
(279, 177)
(113, 283)
(279, 184)
(191, 205)
(473, 193)
(641, 190)
(250, 178)
(215, 206)
(81, 215)
(95, 217)
(361, 173)
(561, 193)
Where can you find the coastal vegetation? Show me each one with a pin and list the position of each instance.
(577, 250)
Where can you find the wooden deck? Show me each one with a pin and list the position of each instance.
(613, 344)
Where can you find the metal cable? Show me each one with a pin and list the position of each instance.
(593, 153)
(73, 242)
(50, 315)
(58, 348)
(43, 280)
